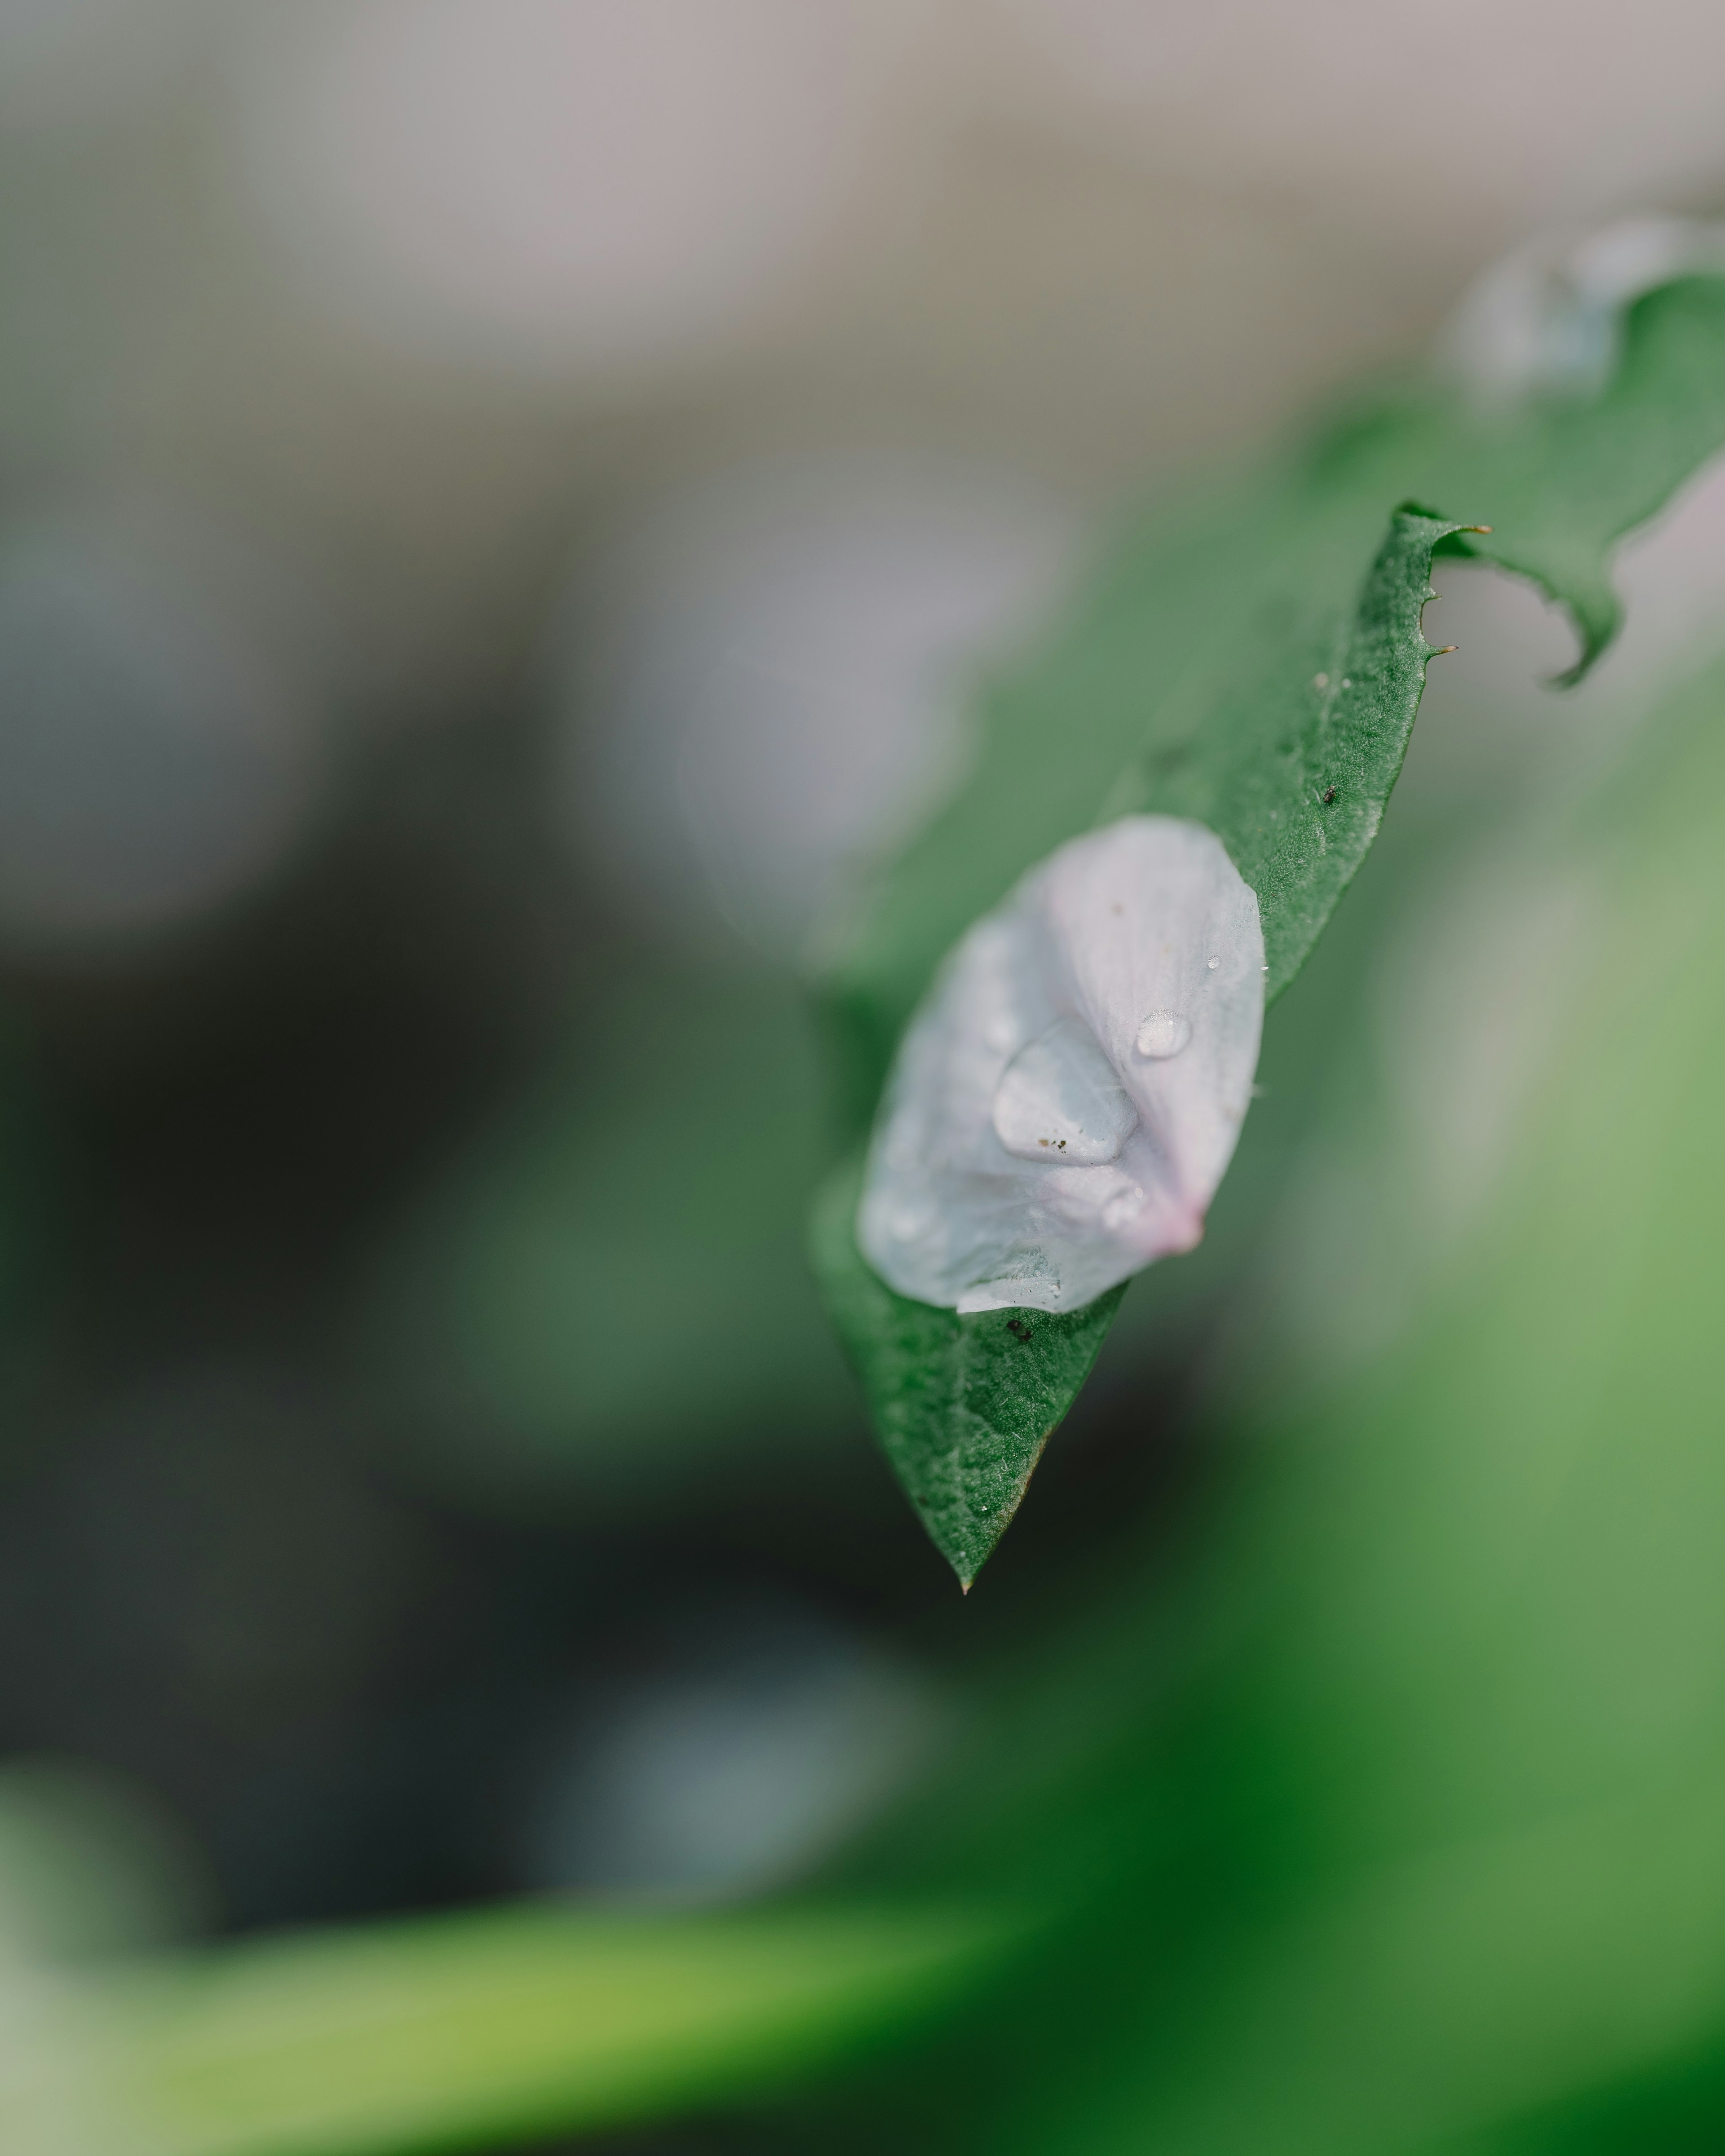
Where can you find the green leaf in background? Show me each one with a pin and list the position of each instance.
(964, 1405)
(610, 1283)
(1217, 672)
(1562, 480)
(452, 2032)
(1395, 1819)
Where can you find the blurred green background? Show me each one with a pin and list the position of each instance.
(509, 510)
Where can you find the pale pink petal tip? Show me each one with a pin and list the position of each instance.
(1068, 1097)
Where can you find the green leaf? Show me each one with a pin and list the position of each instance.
(1210, 592)
(1388, 1814)
(452, 2032)
(1296, 758)
(964, 1405)
(1290, 763)
(1189, 684)
(1561, 481)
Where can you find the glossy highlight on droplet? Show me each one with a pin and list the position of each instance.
(1162, 1035)
(1123, 1208)
(1059, 1101)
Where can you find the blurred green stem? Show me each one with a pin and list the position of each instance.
(447, 2032)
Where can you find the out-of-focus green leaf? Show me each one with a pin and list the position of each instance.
(964, 1405)
(612, 1281)
(454, 2032)
(1395, 1823)
(1218, 672)
(1560, 481)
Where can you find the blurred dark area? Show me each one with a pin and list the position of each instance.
(226, 1575)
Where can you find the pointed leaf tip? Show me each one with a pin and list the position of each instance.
(1295, 787)
(963, 1404)
(963, 1400)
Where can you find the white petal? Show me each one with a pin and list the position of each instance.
(1066, 1098)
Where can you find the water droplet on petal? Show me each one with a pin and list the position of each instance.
(1163, 1034)
(1123, 1207)
(1212, 963)
(1060, 1102)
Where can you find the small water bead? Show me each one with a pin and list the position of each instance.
(1122, 1209)
(1212, 963)
(1060, 1102)
(1163, 1034)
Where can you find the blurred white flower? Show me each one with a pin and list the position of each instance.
(748, 1758)
(163, 728)
(763, 682)
(1549, 316)
(1069, 1096)
(1525, 119)
(551, 183)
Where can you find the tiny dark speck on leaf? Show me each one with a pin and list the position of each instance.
(1329, 795)
(1018, 1328)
